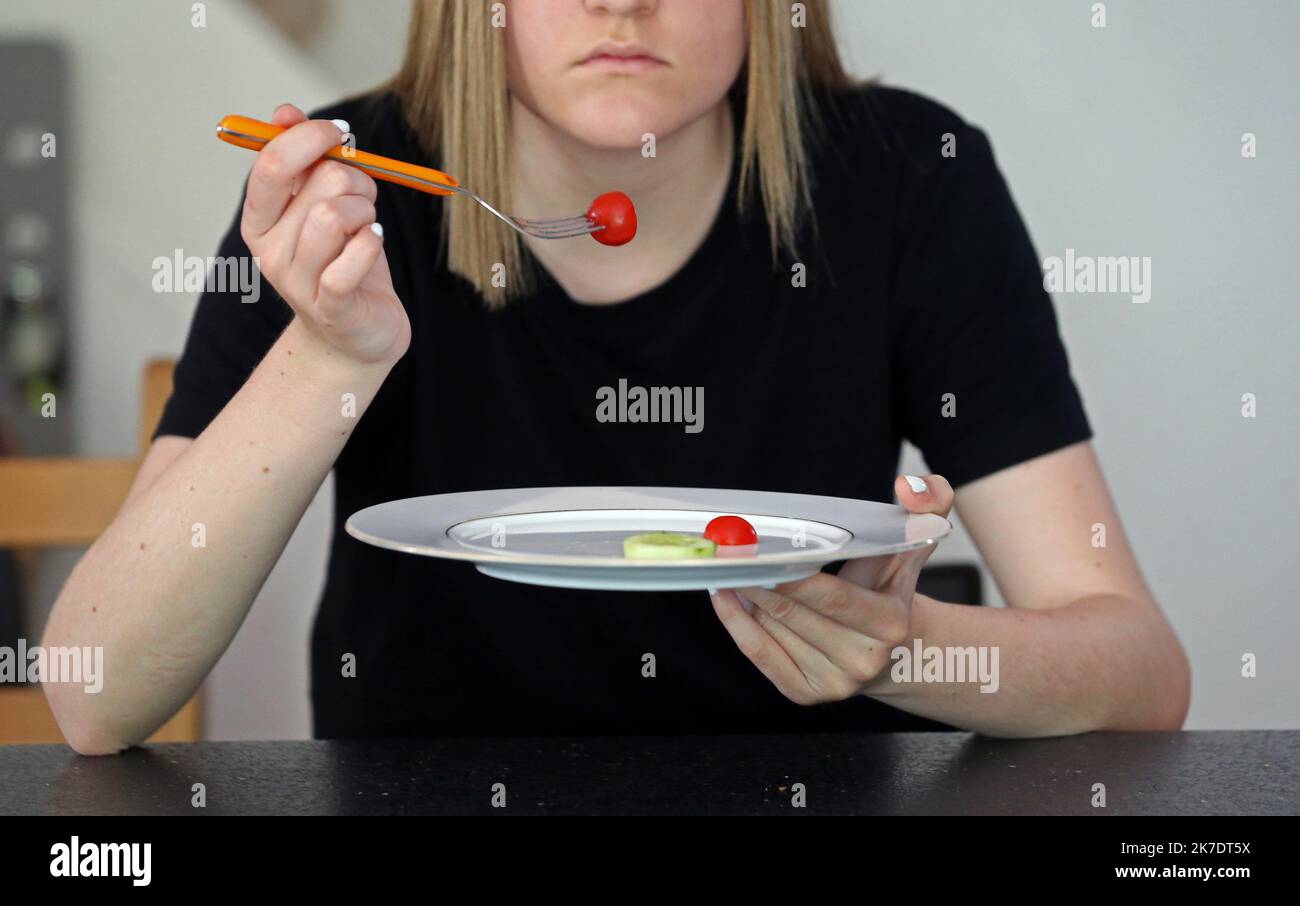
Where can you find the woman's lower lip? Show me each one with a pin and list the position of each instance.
(611, 63)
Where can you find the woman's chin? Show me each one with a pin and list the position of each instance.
(619, 127)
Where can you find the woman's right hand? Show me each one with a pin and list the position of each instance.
(311, 224)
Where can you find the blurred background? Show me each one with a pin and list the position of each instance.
(1120, 140)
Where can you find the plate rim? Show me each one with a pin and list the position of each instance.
(943, 527)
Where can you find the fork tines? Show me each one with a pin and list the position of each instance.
(557, 227)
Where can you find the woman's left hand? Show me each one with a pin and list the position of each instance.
(827, 638)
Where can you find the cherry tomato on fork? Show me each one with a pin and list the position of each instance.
(613, 211)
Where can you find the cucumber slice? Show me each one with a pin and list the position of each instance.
(667, 546)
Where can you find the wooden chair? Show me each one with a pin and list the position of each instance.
(57, 501)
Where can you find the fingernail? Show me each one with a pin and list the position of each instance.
(342, 124)
(377, 228)
(713, 592)
(745, 603)
(917, 485)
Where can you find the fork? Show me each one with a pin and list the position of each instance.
(246, 132)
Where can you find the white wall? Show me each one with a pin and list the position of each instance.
(1119, 141)
(1126, 141)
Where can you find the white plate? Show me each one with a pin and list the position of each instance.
(573, 537)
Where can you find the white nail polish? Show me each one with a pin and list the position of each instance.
(377, 228)
(917, 485)
(342, 124)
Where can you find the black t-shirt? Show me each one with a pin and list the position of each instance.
(920, 282)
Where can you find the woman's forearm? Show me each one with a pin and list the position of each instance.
(164, 590)
(1103, 662)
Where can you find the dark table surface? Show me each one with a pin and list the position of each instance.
(1192, 773)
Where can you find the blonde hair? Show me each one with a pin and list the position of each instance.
(452, 87)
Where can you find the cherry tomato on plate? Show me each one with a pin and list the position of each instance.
(615, 213)
(730, 531)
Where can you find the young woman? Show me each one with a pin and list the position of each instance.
(840, 266)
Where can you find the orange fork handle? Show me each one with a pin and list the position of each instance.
(254, 134)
